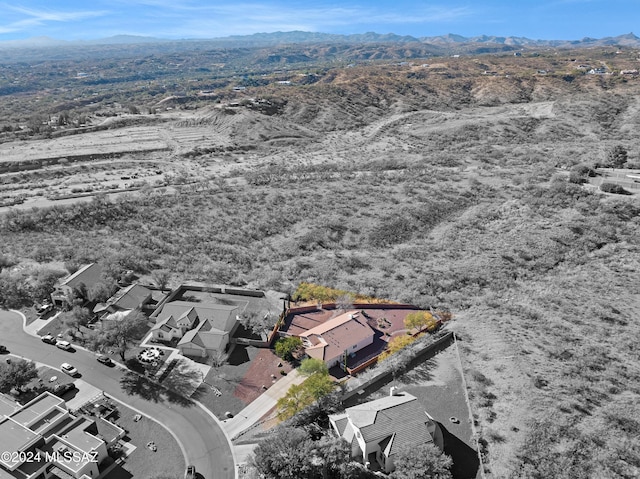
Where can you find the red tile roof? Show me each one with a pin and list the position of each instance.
(332, 338)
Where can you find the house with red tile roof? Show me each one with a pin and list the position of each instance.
(378, 429)
(338, 337)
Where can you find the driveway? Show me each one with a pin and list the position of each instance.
(196, 429)
(261, 406)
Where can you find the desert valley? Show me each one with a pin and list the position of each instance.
(499, 186)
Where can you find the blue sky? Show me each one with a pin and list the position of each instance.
(175, 19)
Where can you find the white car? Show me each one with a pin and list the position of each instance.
(67, 368)
(66, 345)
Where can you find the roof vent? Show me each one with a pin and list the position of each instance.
(393, 391)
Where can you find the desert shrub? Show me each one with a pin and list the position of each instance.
(614, 188)
(310, 291)
(390, 231)
(396, 344)
(576, 178)
(617, 157)
(584, 170)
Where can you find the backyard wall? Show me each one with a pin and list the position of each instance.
(425, 353)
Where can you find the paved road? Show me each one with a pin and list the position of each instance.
(200, 435)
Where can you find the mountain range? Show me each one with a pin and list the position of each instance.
(294, 37)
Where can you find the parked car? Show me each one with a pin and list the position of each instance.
(104, 359)
(67, 368)
(66, 345)
(3, 349)
(60, 389)
(49, 339)
(44, 309)
(190, 473)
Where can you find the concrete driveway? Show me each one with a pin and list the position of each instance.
(261, 406)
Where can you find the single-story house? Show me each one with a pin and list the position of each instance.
(133, 297)
(378, 429)
(203, 328)
(343, 335)
(87, 276)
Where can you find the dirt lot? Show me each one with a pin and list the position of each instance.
(240, 380)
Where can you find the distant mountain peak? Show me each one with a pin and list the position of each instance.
(294, 37)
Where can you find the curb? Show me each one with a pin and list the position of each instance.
(122, 366)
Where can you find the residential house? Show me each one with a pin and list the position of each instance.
(378, 429)
(85, 278)
(124, 301)
(43, 440)
(174, 324)
(343, 335)
(202, 328)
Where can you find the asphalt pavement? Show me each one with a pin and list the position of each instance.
(196, 429)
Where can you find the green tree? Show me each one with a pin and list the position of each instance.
(43, 283)
(281, 455)
(311, 366)
(16, 374)
(121, 334)
(5, 262)
(14, 292)
(80, 291)
(285, 347)
(617, 157)
(101, 291)
(290, 453)
(421, 462)
(78, 317)
(614, 188)
(161, 277)
(300, 396)
(319, 384)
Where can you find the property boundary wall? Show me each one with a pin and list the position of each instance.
(476, 435)
(434, 347)
(254, 293)
(330, 306)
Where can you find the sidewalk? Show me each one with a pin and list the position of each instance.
(261, 406)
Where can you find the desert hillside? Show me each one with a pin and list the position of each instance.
(441, 181)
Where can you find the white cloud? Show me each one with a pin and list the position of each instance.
(29, 17)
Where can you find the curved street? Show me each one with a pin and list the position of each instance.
(200, 435)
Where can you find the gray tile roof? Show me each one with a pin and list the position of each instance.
(396, 421)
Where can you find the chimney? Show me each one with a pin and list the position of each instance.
(393, 391)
